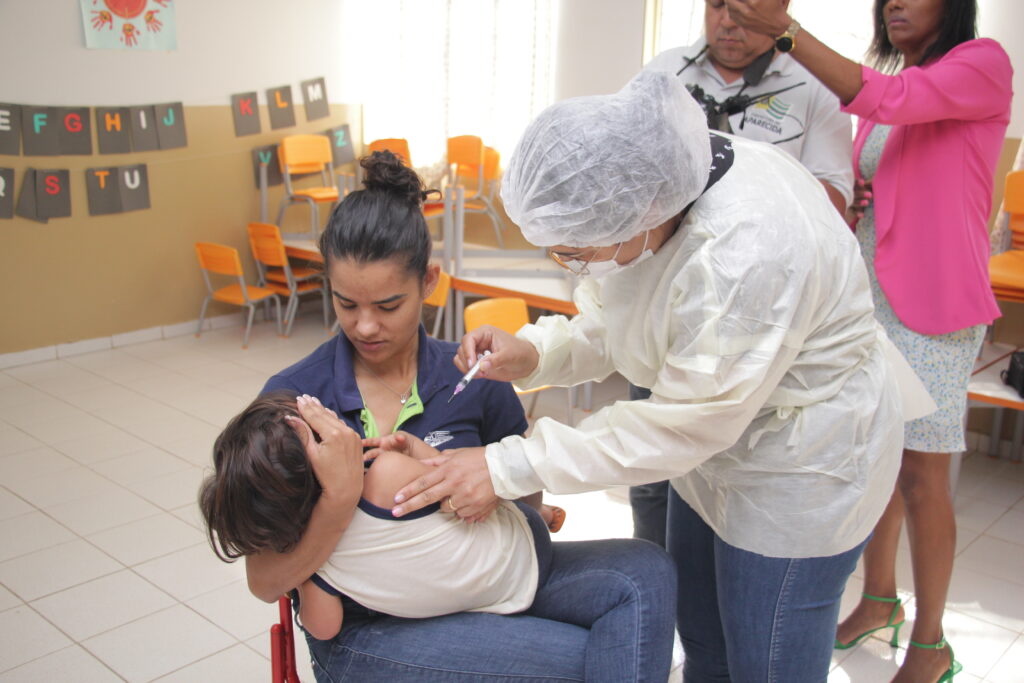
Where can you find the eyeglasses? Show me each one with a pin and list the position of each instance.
(574, 266)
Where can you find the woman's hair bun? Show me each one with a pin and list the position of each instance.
(385, 172)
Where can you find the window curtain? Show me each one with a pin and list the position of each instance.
(431, 69)
(843, 26)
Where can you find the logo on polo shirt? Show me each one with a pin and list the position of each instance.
(435, 439)
(769, 114)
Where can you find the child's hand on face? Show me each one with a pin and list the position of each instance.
(337, 459)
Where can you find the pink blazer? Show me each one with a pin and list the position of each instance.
(933, 187)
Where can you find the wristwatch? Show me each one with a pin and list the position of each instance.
(787, 41)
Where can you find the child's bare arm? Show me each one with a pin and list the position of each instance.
(390, 472)
(320, 612)
(402, 442)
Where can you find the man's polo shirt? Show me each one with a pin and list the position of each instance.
(485, 412)
(805, 120)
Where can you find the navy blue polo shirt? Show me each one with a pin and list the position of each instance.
(485, 412)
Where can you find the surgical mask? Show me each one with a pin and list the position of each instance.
(601, 269)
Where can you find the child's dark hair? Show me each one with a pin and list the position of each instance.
(959, 24)
(263, 488)
(383, 221)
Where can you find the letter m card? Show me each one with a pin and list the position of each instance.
(314, 95)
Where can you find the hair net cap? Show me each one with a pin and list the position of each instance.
(597, 170)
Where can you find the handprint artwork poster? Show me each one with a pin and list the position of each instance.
(129, 24)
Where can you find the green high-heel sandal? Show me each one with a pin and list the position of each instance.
(894, 641)
(954, 666)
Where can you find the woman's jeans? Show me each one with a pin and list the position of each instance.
(604, 613)
(648, 501)
(744, 617)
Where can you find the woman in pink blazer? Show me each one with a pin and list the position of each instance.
(929, 138)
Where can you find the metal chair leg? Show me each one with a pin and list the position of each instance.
(438, 319)
(248, 323)
(997, 432)
(496, 223)
(289, 313)
(202, 314)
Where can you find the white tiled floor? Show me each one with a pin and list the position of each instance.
(105, 574)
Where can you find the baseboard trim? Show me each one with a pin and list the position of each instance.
(58, 351)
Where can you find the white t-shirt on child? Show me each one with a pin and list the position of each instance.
(427, 565)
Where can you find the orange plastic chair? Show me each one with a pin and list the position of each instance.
(223, 260)
(399, 146)
(1006, 270)
(282, 646)
(439, 299)
(278, 275)
(302, 155)
(508, 314)
(477, 168)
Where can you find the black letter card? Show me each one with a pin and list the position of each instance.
(341, 145)
(134, 187)
(112, 130)
(170, 125)
(314, 95)
(246, 111)
(279, 103)
(6, 193)
(26, 207)
(53, 193)
(10, 129)
(40, 131)
(144, 135)
(267, 155)
(75, 130)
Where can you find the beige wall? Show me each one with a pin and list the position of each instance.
(85, 277)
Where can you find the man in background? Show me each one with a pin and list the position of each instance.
(750, 89)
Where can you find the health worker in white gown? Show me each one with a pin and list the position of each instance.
(716, 273)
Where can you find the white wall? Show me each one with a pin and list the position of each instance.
(228, 46)
(224, 47)
(600, 45)
(1003, 20)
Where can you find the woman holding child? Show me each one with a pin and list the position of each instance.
(600, 611)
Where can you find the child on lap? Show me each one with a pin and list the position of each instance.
(428, 564)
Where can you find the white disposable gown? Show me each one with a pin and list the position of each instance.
(774, 409)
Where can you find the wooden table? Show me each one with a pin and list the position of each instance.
(986, 386)
(536, 279)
